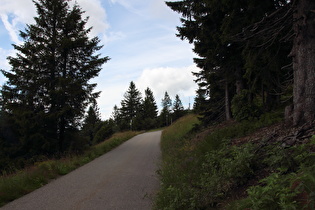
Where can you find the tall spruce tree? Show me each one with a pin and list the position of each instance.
(167, 102)
(200, 101)
(165, 115)
(149, 110)
(178, 108)
(227, 65)
(92, 122)
(117, 118)
(201, 25)
(48, 86)
(149, 105)
(130, 105)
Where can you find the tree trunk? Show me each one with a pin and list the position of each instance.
(228, 114)
(61, 138)
(239, 84)
(303, 54)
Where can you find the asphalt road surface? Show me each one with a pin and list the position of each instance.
(124, 178)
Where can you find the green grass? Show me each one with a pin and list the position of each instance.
(209, 173)
(172, 136)
(175, 147)
(13, 186)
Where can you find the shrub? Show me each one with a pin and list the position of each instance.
(273, 193)
(104, 132)
(243, 108)
(223, 170)
(292, 186)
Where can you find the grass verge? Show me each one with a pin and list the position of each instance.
(13, 186)
(212, 172)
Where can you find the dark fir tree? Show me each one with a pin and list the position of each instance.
(92, 122)
(201, 26)
(227, 64)
(149, 111)
(117, 118)
(200, 101)
(165, 115)
(178, 108)
(167, 102)
(48, 87)
(149, 105)
(115, 114)
(130, 105)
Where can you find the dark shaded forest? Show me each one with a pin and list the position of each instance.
(255, 56)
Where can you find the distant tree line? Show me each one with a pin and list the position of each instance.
(137, 113)
(255, 56)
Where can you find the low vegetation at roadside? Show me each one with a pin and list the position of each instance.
(15, 185)
(229, 167)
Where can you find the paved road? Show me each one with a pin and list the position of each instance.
(124, 178)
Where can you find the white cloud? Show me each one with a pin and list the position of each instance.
(158, 9)
(22, 10)
(12, 30)
(97, 16)
(112, 37)
(111, 95)
(138, 7)
(173, 80)
(148, 52)
(149, 9)
(16, 13)
(4, 64)
(3, 61)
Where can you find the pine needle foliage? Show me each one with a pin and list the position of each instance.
(48, 87)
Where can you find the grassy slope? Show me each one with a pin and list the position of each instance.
(235, 166)
(13, 186)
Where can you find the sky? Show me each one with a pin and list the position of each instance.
(139, 37)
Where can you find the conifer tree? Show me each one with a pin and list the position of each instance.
(48, 85)
(200, 101)
(149, 111)
(167, 102)
(130, 105)
(92, 122)
(227, 64)
(150, 108)
(116, 116)
(201, 25)
(178, 108)
(165, 115)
